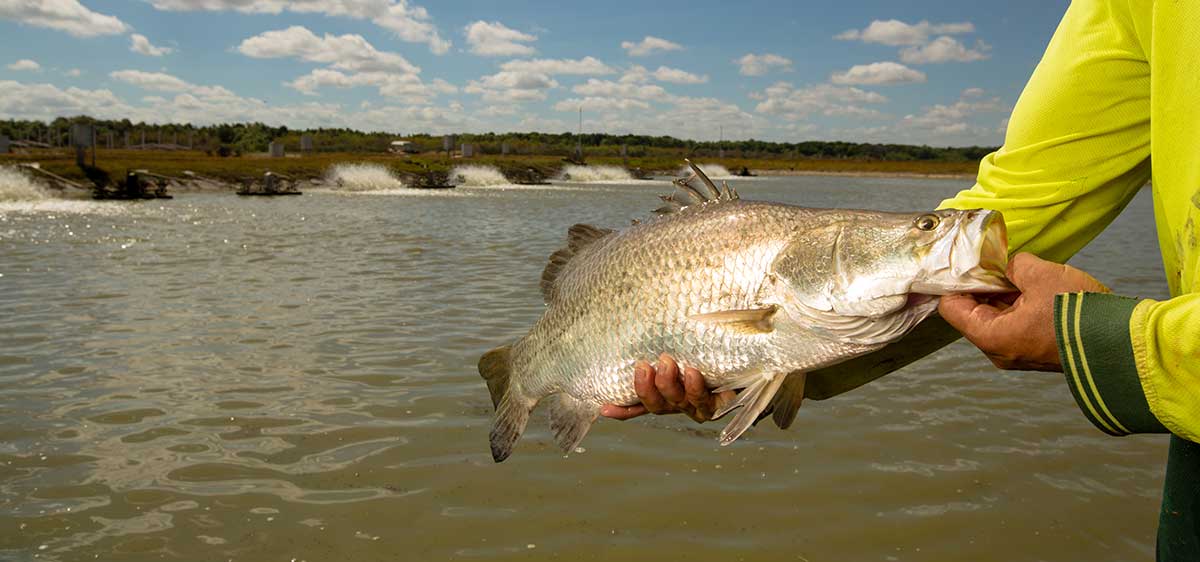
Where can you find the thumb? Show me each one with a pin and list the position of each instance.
(969, 316)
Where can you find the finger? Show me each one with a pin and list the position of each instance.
(667, 380)
(697, 394)
(970, 317)
(1026, 269)
(622, 412)
(643, 385)
(724, 399)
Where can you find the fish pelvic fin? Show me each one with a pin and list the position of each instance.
(570, 419)
(512, 409)
(578, 237)
(752, 402)
(787, 401)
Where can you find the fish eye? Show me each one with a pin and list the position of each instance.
(927, 222)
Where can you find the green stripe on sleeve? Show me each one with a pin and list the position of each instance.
(1064, 307)
(1092, 330)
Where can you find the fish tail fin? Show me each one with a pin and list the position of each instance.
(570, 419)
(753, 401)
(787, 401)
(512, 408)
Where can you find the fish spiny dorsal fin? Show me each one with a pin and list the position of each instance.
(712, 188)
(578, 237)
(686, 195)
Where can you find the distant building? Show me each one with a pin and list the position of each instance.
(4, 144)
(275, 149)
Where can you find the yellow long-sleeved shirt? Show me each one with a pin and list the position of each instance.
(1118, 79)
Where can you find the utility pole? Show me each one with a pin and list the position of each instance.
(579, 138)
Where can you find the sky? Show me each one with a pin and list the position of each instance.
(944, 73)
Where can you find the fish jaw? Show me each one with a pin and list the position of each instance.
(972, 260)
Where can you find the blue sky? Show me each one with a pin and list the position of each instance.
(929, 72)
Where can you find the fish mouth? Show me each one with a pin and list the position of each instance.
(971, 259)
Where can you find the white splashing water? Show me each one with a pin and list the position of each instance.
(598, 174)
(20, 193)
(473, 175)
(362, 177)
(713, 171)
(16, 186)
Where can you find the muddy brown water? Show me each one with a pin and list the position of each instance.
(215, 378)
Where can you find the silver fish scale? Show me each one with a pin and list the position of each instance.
(628, 297)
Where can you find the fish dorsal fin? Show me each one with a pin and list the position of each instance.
(578, 237)
(686, 195)
(744, 321)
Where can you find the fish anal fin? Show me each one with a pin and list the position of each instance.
(745, 321)
(752, 401)
(787, 401)
(578, 237)
(570, 419)
(512, 415)
(512, 407)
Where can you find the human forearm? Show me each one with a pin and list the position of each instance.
(1133, 366)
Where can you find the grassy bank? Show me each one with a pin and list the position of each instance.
(115, 163)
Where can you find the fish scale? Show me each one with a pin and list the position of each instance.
(747, 292)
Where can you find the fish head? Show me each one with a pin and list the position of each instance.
(867, 263)
(965, 252)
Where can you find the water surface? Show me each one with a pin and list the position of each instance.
(224, 378)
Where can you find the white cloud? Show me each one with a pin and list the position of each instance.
(878, 73)
(74, 73)
(510, 86)
(162, 82)
(584, 66)
(494, 39)
(600, 104)
(952, 118)
(25, 65)
(944, 49)
(785, 100)
(610, 89)
(896, 33)
(636, 74)
(343, 52)
(64, 15)
(409, 22)
(676, 76)
(759, 65)
(141, 45)
(407, 87)
(45, 102)
(649, 45)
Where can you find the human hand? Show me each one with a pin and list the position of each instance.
(663, 391)
(1019, 334)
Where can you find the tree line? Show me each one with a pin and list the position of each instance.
(237, 138)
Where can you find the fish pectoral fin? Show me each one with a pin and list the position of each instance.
(570, 419)
(745, 321)
(787, 401)
(752, 401)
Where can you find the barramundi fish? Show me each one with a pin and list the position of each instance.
(752, 294)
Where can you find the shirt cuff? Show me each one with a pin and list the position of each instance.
(1094, 346)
